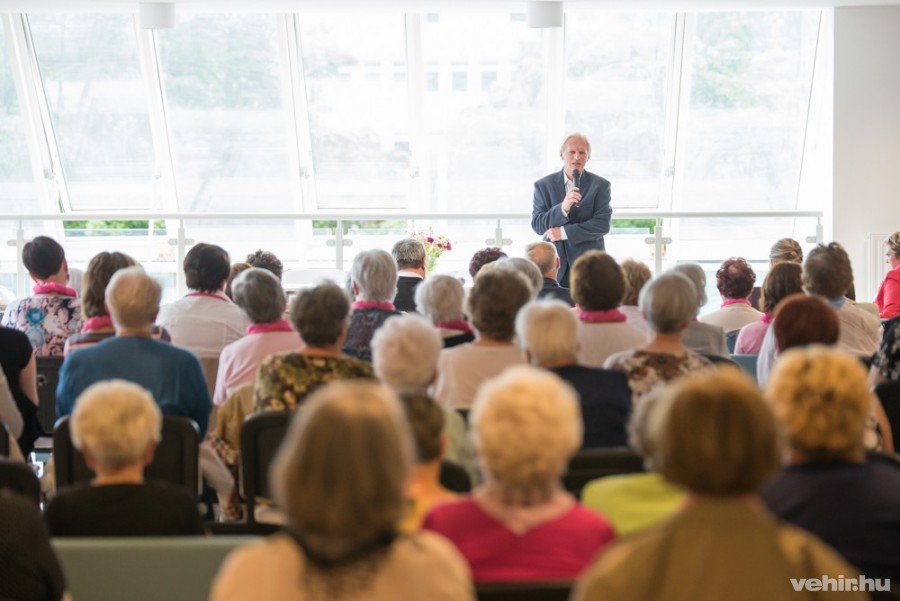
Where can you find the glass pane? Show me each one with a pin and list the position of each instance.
(98, 102)
(485, 112)
(355, 70)
(229, 120)
(617, 93)
(17, 186)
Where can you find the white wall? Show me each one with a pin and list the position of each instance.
(866, 131)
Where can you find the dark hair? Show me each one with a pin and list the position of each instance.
(495, 300)
(43, 257)
(735, 278)
(827, 271)
(803, 319)
(783, 280)
(235, 271)
(426, 422)
(95, 279)
(266, 260)
(319, 313)
(206, 266)
(483, 257)
(598, 283)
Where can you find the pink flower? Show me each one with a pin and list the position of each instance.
(429, 239)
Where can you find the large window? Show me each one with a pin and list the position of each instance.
(17, 185)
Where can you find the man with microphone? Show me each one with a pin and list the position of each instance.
(572, 208)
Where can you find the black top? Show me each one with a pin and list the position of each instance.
(406, 293)
(552, 290)
(149, 509)
(29, 570)
(15, 353)
(605, 400)
(363, 323)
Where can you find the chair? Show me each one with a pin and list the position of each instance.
(889, 394)
(731, 340)
(523, 591)
(47, 381)
(883, 456)
(4, 441)
(261, 436)
(19, 478)
(591, 464)
(454, 478)
(720, 361)
(747, 363)
(176, 460)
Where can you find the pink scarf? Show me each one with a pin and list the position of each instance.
(608, 316)
(458, 324)
(766, 318)
(54, 288)
(735, 301)
(274, 326)
(385, 306)
(210, 295)
(92, 324)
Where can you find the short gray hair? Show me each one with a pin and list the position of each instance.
(669, 302)
(133, 298)
(116, 421)
(405, 352)
(697, 277)
(440, 298)
(258, 293)
(548, 331)
(408, 253)
(575, 136)
(528, 269)
(543, 254)
(375, 274)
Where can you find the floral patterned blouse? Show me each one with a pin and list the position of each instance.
(647, 370)
(887, 357)
(285, 379)
(47, 320)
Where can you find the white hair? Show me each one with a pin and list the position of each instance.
(527, 268)
(440, 298)
(405, 352)
(133, 298)
(697, 277)
(547, 330)
(375, 274)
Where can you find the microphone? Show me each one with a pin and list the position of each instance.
(576, 177)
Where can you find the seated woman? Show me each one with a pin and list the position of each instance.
(634, 502)
(29, 569)
(637, 275)
(888, 297)
(320, 316)
(482, 257)
(782, 281)
(98, 325)
(439, 299)
(829, 487)
(20, 370)
(342, 538)
(521, 524)
(494, 301)
(734, 281)
(886, 361)
(669, 304)
(373, 280)
(718, 440)
(116, 424)
(53, 314)
(259, 295)
(703, 338)
(598, 286)
(785, 250)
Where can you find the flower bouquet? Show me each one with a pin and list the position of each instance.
(435, 246)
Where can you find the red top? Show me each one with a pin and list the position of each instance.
(560, 549)
(888, 299)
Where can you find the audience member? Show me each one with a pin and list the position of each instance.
(319, 314)
(704, 338)
(598, 286)
(785, 250)
(526, 268)
(172, 375)
(342, 539)
(29, 569)
(829, 488)
(669, 302)
(20, 370)
(493, 303)
(53, 313)
(98, 325)
(409, 254)
(719, 441)
(264, 259)
(205, 320)
(116, 425)
(11, 423)
(734, 281)
(547, 331)
(259, 295)
(440, 300)
(236, 270)
(782, 281)
(888, 297)
(637, 275)
(483, 257)
(373, 280)
(886, 361)
(544, 255)
(520, 524)
(635, 502)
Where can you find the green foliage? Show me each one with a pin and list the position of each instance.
(647, 224)
(723, 51)
(108, 227)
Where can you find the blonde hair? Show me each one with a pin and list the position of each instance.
(116, 421)
(717, 435)
(548, 330)
(526, 425)
(786, 250)
(637, 274)
(893, 243)
(133, 298)
(821, 397)
(341, 470)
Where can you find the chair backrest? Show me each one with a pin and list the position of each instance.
(747, 363)
(731, 340)
(455, 478)
(523, 591)
(889, 394)
(19, 478)
(47, 380)
(210, 367)
(719, 361)
(261, 436)
(4, 441)
(591, 464)
(176, 459)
